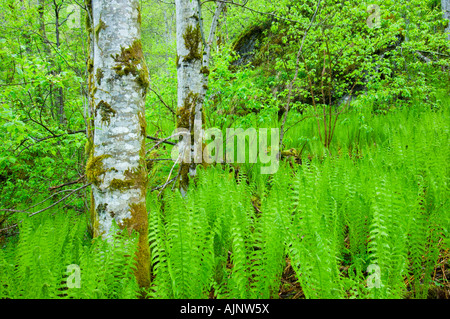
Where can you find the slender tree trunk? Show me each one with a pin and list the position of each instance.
(28, 22)
(59, 92)
(118, 82)
(208, 45)
(212, 33)
(45, 47)
(168, 38)
(42, 32)
(190, 91)
(193, 71)
(445, 4)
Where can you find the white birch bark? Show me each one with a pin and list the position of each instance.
(445, 5)
(190, 98)
(117, 84)
(212, 33)
(192, 67)
(208, 46)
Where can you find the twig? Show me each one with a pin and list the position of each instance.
(302, 119)
(159, 140)
(47, 208)
(342, 109)
(67, 184)
(41, 202)
(313, 98)
(256, 208)
(36, 141)
(423, 58)
(62, 199)
(164, 185)
(162, 101)
(170, 174)
(432, 52)
(55, 136)
(252, 10)
(159, 159)
(165, 140)
(14, 84)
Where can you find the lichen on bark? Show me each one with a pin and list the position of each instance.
(186, 113)
(119, 184)
(128, 61)
(95, 168)
(99, 76)
(118, 80)
(204, 70)
(106, 112)
(142, 124)
(192, 41)
(90, 65)
(139, 177)
(100, 26)
(138, 222)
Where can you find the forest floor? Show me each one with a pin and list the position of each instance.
(439, 289)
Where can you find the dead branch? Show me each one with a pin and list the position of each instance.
(162, 101)
(44, 209)
(160, 140)
(67, 184)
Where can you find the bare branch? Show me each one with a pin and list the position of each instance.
(252, 10)
(200, 22)
(159, 140)
(170, 174)
(36, 141)
(67, 184)
(162, 101)
(164, 185)
(165, 140)
(159, 159)
(44, 209)
(212, 31)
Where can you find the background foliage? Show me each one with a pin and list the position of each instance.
(364, 176)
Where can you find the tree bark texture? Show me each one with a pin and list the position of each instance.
(193, 57)
(445, 4)
(118, 82)
(190, 81)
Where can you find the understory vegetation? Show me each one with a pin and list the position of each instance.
(234, 236)
(358, 208)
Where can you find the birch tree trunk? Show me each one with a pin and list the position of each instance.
(190, 81)
(59, 96)
(42, 32)
(445, 4)
(118, 82)
(168, 21)
(193, 55)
